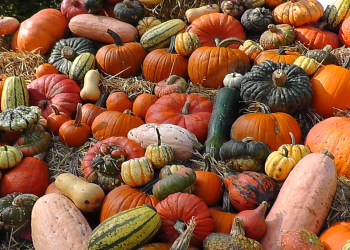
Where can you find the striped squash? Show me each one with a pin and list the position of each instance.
(159, 36)
(81, 64)
(127, 230)
(336, 13)
(14, 93)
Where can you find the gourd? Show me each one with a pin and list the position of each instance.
(137, 172)
(308, 64)
(233, 80)
(256, 20)
(14, 93)
(336, 13)
(194, 13)
(58, 224)
(9, 157)
(277, 35)
(32, 142)
(8, 25)
(146, 23)
(86, 196)
(173, 84)
(81, 65)
(300, 204)
(91, 91)
(18, 119)
(129, 11)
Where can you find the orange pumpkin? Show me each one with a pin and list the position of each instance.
(334, 237)
(56, 119)
(282, 55)
(8, 25)
(45, 69)
(89, 112)
(118, 101)
(222, 220)
(344, 32)
(37, 33)
(142, 104)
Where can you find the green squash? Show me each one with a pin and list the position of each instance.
(18, 119)
(323, 56)
(129, 11)
(283, 87)
(66, 50)
(256, 20)
(93, 6)
(245, 155)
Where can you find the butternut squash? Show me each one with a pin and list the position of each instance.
(95, 27)
(85, 195)
(304, 199)
(91, 91)
(194, 13)
(56, 223)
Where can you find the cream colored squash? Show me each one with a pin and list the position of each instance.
(91, 91)
(194, 13)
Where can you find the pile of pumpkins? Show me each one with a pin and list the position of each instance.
(139, 190)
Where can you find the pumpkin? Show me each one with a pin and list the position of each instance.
(20, 118)
(142, 104)
(118, 101)
(56, 119)
(71, 8)
(314, 36)
(189, 111)
(89, 111)
(277, 35)
(323, 56)
(182, 207)
(297, 12)
(120, 59)
(207, 66)
(256, 20)
(125, 197)
(37, 34)
(9, 157)
(251, 49)
(232, 7)
(55, 89)
(137, 172)
(159, 64)
(344, 33)
(146, 23)
(297, 195)
(275, 131)
(273, 3)
(248, 189)
(215, 27)
(173, 84)
(8, 25)
(30, 176)
(100, 167)
(281, 55)
(335, 236)
(233, 80)
(129, 11)
(32, 142)
(45, 69)
(74, 133)
(222, 219)
(186, 43)
(66, 50)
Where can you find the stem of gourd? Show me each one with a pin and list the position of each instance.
(77, 121)
(228, 41)
(127, 3)
(158, 136)
(184, 110)
(248, 139)
(272, 28)
(237, 227)
(183, 241)
(55, 109)
(116, 38)
(67, 52)
(293, 138)
(279, 77)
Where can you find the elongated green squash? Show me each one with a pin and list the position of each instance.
(81, 65)
(225, 112)
(336, 13)
(159, 36)
(14, 93)
(127, 230)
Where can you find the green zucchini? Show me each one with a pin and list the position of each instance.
(14, 93)
(127, 230)
(225, 112)
(159, 36)
(81, 64)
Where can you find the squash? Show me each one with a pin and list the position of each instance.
(19, 118)
(95, 27)
(86, 196)
(194, 13)
(335, 13)
(14, 93)
(225, 112)
(90, 90)
(127, 230)
(81, 65)
(58, 224)
(304, 200)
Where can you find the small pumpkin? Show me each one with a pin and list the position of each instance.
(308, 64)
(9, 157)
(279, 164)
(44, 69)
(251, 49)
(277, 35)
(296, 151)
(173, 84)
(233, 8)
(146, 23)
(142, 104)
(118, 101)
(8, 25)
(233, 80)
(281, 55)
(129, 11)
(137, 172)
(56, 119)
(256, 20)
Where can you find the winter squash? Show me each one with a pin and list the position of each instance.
(142, 104)
(308, 64)
(232, 7)
(323, 56)
(189, 111)
(296, 151)
(277, 35)
(89, 111)
(81, 65)
(159, 64)
(265, 80)
(56, 119)
(297, 12)
(55, 89)
(129, 11)
(8, 25)
(186, 43)
(32, 142)
(10, 157)
(71, 8)
(14, 93)
(335, 236)
(146, 23)
(44, 69)
(178, 208)
(215, 27)
(137, 172)
(207, 66)
(194, 13)
(40, 125)
(168, 170)
(118, 101)
(335, 13)
(281, 55)
(256, 20)
(37, 34)
(275, 131)
(251, 49)
(279, 164)
(74, 133)
(90, 91)
(299, 196)
(30, 176)
(20, 118)
(125, 197)
(122, 59)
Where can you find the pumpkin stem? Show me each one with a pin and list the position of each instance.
(127, 112)
(237, 227)
(183, 241)
(171, 49)
(326, 152)
(172, 79)
(127, 3)
(293, 138)
(228, 41)
(279, 77)
(207, 162)
(116, 38)
(78, 115)
(67, 52)
(248, 139)
(272, 28)
(180, 226)
(55, 109)
(184, 110)
(158, 136)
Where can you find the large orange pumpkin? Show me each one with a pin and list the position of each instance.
(282, 55)
(334, 237)
(37, 32)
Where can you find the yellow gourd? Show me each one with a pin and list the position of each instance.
(90, 90)
(86, 196)
(194, 13)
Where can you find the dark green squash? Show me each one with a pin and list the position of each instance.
(245, 155)
(129, 11)
(66, 50)
(283, 87)
(93, 6)
(225, 112)
(323, 56)
(256, 20)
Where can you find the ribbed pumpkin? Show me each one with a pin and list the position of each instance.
(89, 112)
(114, 123)
(44, 69)
(273, 130)
(120, 59)
(298, 12)
(335, 236)
(118, 101)
(232, 7)
(281, 55)
(142, 104)
(208, 66)
(277, 35)
(256, 20)
(137, 172)
(344, 32)
(8, 25)
(56, 119)
(251, 49)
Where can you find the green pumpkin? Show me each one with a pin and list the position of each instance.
(255, 21)
(18, 119)
(15, 210)
(129, 11)
(66, 50)
(282, 87)
(93, 6)
(245, 155)
(33, 142)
